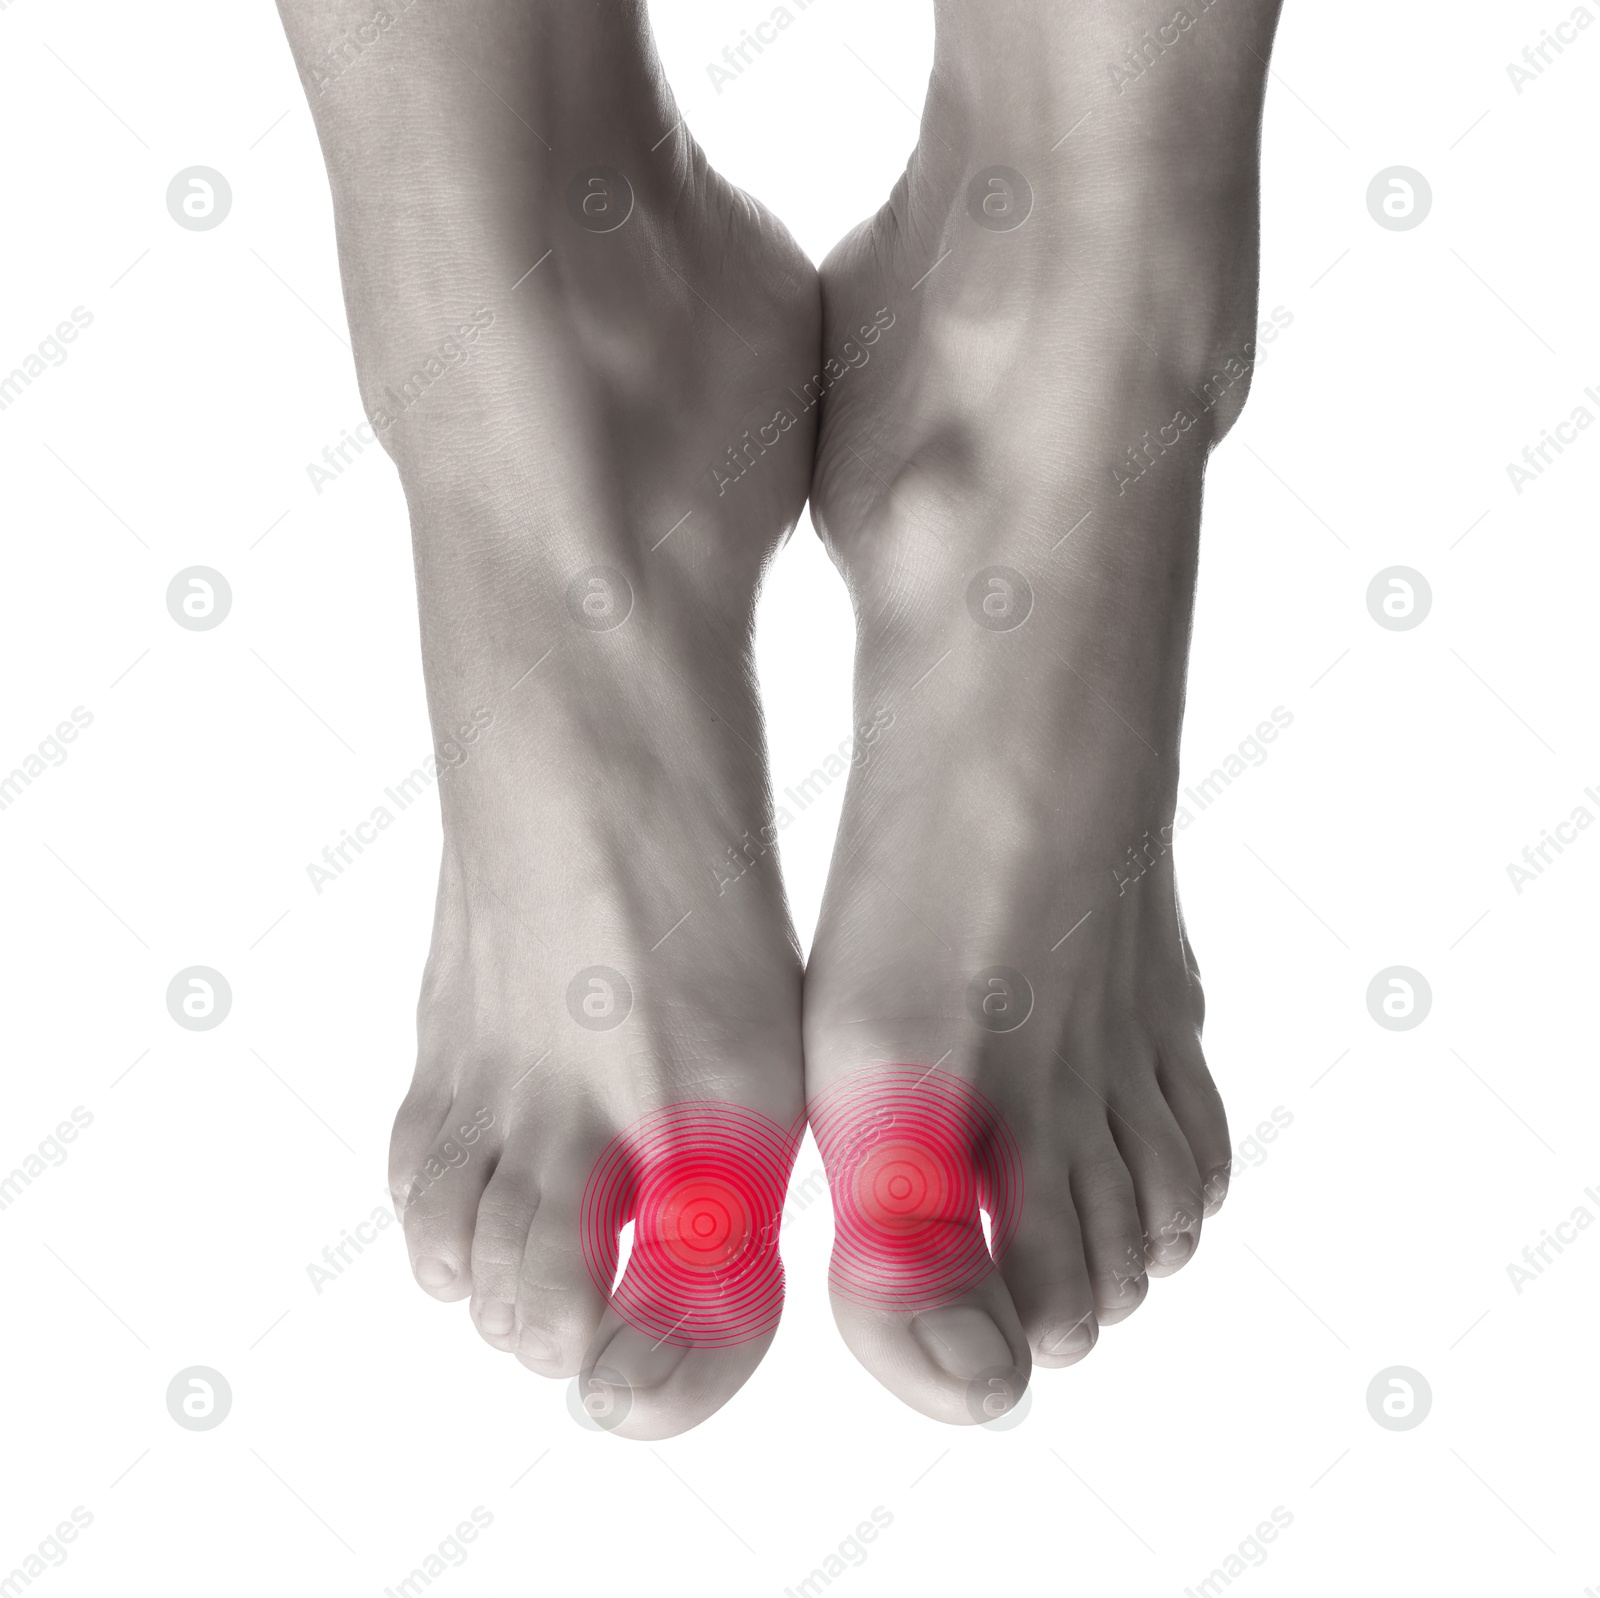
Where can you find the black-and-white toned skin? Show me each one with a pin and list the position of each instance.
(600, 371)
(1012, 491)
(586, 604)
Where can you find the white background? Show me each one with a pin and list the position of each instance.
(1375, 1231)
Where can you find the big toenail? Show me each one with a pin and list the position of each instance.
(961, 1340)
(434, 1272)
(1216, 1188)
(496, 1318)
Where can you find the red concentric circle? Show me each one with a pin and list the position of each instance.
(705, 1224)
(704, 1185)
(902, 1187)
(912, 1156)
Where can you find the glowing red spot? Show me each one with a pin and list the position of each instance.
(705, 1223)
(704, 1185)
(912, 1156)
(902, 1187)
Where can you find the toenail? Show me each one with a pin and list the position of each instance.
(1077, 1339)
(1130, 1292)
(961, 1340)
(1171, 1251)
(537, 1347)
(1216, 1189)
(496, 1318)
(600, 1401)
(433, 1272)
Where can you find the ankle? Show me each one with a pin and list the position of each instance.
(1169, 92)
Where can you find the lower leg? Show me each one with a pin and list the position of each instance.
(1013, 490)
(563, 324)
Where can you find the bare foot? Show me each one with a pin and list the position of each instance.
(1012, 490)
(579, 344)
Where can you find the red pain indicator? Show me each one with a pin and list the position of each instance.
(704, 1185)
(912, 1156)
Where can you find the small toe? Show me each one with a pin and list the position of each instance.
(1166, 1184)
(558, 1305)
(1196, 1106)
(499, 1245)
(417, 1126)
(1048, 1278)
(440, 1209)
(1113, 1239)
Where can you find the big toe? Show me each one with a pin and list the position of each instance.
(702, 1186)
(965, 1363)
(916, 1158)
(634, 1385)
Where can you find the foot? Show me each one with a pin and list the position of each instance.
(578, 345)
(1002, 1010)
